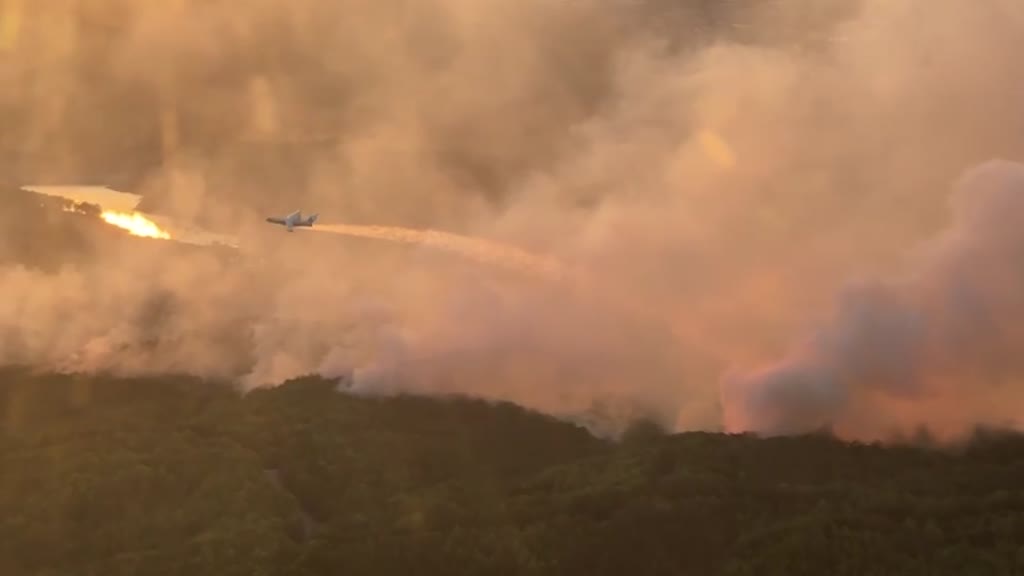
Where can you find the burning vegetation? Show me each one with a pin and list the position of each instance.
(135, 224)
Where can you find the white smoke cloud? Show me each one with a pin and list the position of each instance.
(938, 349)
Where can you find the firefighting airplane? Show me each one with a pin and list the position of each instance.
(122, 209)
(294, 219)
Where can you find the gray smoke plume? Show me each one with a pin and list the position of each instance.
(941, 348)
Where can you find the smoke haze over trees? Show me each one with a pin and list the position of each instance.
(733, 166)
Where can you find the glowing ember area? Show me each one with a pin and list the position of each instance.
(136, 224)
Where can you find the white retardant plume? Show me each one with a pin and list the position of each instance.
(941, 348)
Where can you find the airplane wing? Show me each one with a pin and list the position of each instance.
(293, 215)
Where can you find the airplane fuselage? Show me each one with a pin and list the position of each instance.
(294, 219)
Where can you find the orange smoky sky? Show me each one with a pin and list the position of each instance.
(730, 169)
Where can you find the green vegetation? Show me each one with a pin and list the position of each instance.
(177, 476)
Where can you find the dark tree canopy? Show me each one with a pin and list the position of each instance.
(177, 476)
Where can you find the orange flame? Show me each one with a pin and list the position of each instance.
(136, 224)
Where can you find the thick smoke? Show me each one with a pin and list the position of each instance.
(717, 172)
(940, 349)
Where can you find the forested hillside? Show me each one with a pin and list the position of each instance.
(177, 476)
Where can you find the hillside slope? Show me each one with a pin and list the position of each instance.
(177, 476)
